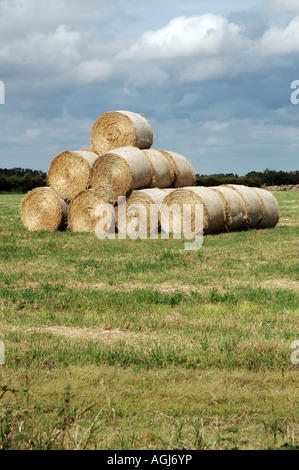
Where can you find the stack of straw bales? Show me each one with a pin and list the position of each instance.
(121, 162)
(225, 208)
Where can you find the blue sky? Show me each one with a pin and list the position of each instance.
(213, 78)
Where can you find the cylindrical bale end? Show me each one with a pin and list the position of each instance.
(115, 174)
(43, 210)
(116, 129)
(88, 211)
(69, 173)
(270, 208)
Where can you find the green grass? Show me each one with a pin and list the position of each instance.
(140, 344)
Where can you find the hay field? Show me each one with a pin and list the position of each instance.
(141, 345)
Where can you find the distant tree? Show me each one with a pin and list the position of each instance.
(21, 180)
(253, 178)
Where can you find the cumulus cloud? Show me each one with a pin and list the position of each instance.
(205, 69)
(18, 17)
(285, 6)
(90, 71)
(200, 35)
(46, 44)
(40, 48)
(151, 75)
(281, 41)
(63, 60)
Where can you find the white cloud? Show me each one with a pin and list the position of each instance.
(201, 35)
(281, 41)
(22, 16)
(38, 48)
(279, 134)
(151, 75)
(205, 69)
(94, 71)
(284, 6)
(215, 126)
(188, 100)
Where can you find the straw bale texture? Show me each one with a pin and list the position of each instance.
(69, 173)
(43, 210)
(150, 197)
(120, 171)
(234, 205)
(254, 210)
(162, 176)
(270, 215)
(184, 174)
(83, 215)
(116, 129)
(213, 209)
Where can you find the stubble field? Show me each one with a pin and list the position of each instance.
(142, 345)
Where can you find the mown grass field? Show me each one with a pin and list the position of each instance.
(142, 345)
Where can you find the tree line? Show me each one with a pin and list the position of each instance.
(253, 178)
(20, 180)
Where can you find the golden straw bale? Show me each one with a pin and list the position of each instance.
(116, 129)
(69, 173)
(119, 172)
(213, 209)
(43, 210)
(253, 204)
(270, 215)
(83, 213)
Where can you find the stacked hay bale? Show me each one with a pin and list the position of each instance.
(69, 173)
(141, 210)
(84, 215)
(270, 209)
(43, 210)
(126, 169)
(118, 163)
(236, 214)
(225, 208)
(117, 129)
(197, 198)
(85, 187)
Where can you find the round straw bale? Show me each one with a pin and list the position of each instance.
(117, 129)
(182, 168)
(147, 198)
(213, 209)
(83, 213)
(69, 173)
(234, 205)
(252, 202)
(162, 176)
(270, 207)
(121, 170)
(43, 210)
(172, 165)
